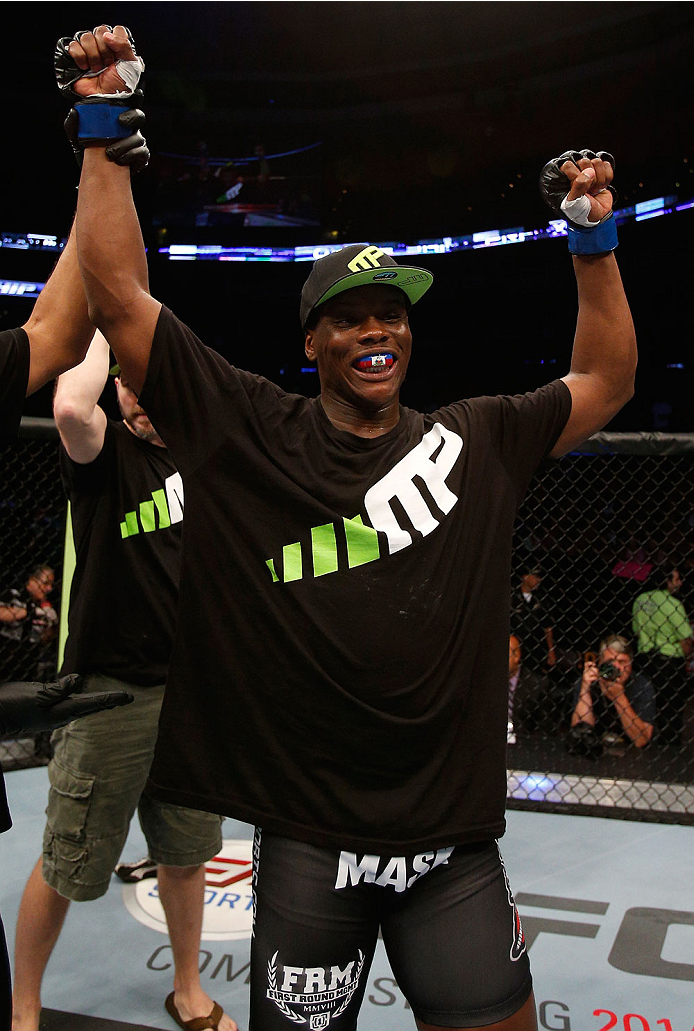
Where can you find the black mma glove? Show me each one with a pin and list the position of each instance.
(28, 706)
(104, 118)
(585, 237)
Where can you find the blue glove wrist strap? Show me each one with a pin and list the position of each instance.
(600, 240)
(100, 122)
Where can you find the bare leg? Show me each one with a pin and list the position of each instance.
(41, 916)
(182, 894)
(524, 1020)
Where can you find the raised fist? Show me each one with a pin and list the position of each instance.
(577, 186)
(102, 62)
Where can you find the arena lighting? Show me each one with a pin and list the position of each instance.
(16, 288)
(32, 242)
(445, 245)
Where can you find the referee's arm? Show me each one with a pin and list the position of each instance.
(58, 328)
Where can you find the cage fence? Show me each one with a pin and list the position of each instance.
(601, 714)
(602, 553)
(32, 529)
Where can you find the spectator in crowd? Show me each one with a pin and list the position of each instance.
(28, 624)
(534, 699)
(665, 642)
(533, 624)
(611, 698)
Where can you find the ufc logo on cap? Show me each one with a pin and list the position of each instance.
(366, 259)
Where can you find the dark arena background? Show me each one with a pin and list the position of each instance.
(280, 130)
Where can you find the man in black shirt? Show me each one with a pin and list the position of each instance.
(532, 624)
(363, 649)
(535, 706)
(126, 519)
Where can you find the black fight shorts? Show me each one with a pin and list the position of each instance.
(447, 917)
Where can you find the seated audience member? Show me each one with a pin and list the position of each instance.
(665, 643)
(28, 623)
(611, 698)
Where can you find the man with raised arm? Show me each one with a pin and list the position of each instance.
(363, 648)
(126, 509)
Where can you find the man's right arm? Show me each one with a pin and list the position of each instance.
(583, 710)
(80, 421)
(113, 263)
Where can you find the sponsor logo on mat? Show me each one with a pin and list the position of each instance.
(228, 912)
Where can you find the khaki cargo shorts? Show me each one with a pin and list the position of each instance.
(97, 778)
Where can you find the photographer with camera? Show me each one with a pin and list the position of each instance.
(610, 698)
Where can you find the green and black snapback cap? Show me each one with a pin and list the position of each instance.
(359, 265)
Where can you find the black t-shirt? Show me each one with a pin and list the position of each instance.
(126, 512)
(340, 670)
(14, 377)
(529, 622)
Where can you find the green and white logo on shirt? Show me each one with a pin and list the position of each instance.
(430, 462)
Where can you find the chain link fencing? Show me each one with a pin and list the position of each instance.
(602, 553)
(601, 713)
(32, 532)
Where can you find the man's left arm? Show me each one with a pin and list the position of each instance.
(603, 363)
(637, 730)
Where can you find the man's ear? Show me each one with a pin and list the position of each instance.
(308, 346)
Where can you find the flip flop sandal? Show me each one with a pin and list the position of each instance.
(197, 1023)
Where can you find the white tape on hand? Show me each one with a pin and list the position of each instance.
(129, 71)
(578, 211)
